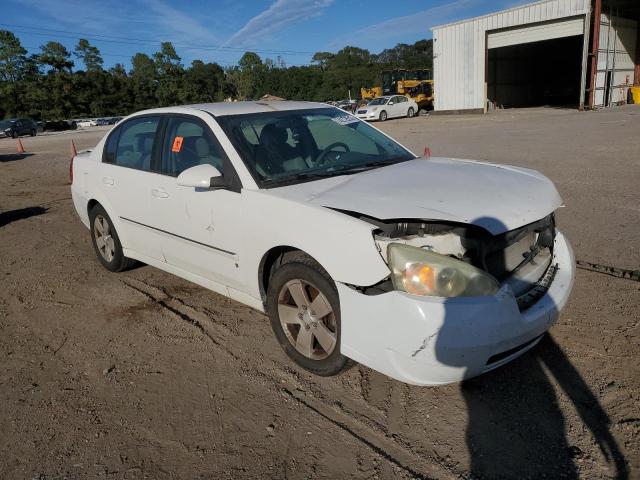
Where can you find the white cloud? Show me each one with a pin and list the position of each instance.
(417, 23)
(181, 26)
(278, 16)
(160, 20)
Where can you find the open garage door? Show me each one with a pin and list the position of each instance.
(536, 33)
(535, 65)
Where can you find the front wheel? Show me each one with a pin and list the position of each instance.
(383, 116)
(410, 112)
(304, 309)
(33, 133)
(14, 134)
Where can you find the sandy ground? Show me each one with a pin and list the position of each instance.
(144, 375)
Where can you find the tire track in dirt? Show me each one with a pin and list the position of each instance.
(347, 416)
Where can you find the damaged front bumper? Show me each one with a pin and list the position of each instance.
(432, 341)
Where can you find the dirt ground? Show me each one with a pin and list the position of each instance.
(144, 375)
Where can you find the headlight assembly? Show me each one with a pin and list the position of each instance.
(421, 272)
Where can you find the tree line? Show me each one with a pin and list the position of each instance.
(46, 86)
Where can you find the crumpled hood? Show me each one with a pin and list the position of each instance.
(498, 198)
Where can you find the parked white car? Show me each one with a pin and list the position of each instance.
(86, 123)
(429, 271)
(392, 106)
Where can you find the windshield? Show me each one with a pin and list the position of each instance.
(6, 123)
(379, 101)
(282, 148)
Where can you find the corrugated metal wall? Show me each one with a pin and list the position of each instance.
(460, 49)
(616, 60)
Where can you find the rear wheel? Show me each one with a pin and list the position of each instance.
(303, 306)
(33, 133)
(383, 116)
(410, 112)
(106, 242)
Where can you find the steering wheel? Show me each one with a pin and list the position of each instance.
(320, 160)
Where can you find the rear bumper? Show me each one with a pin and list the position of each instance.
(431, 341)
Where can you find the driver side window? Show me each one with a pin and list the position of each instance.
(187, 143)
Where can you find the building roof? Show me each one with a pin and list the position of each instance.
(526, 5)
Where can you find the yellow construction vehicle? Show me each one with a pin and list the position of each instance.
(416, 84)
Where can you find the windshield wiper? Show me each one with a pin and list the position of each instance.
(347, 170)
(363, 167)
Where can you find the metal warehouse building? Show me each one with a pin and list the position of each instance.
(582, 53)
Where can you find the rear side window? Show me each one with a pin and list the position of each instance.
(187, 143)
(132, 145)
(111, 146)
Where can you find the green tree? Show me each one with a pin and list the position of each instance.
(143, 81)
(169, 72)
(56, 56)
(89, 54)
(12, 57)
(203, 82)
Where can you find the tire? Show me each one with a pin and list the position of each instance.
(14, 134)
(410, 112)
(318, 350)
(33, 133)
(383, 116)
(106, 242)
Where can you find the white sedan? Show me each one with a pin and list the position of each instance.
(393, 106)
(429, 271)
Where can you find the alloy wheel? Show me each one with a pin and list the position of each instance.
(307, 319)
(104, 239)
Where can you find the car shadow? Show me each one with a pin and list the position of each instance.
(516, 425)
(516, 428)
(12, 157)
(20, 214)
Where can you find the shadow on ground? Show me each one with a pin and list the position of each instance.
(20, 214)
(12, 157)
(516, 428)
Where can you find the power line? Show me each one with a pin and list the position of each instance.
(139, 41)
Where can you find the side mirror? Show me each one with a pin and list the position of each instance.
(201, 176)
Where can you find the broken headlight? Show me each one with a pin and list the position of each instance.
(422, 272)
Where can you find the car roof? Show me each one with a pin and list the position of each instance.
(239, 108)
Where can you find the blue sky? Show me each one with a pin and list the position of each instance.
(221, 30)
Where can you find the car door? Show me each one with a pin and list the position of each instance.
(200, 228)
(400, 106)
(125, 178)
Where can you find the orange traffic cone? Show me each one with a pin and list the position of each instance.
(20, 147)
(74, 152)
(427, 152)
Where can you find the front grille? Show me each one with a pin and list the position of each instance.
(362, 112)
(538, 290)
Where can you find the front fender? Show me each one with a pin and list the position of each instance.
(343, 245)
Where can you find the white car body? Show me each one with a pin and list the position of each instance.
(394, 106)
(220, 240)
(86, 123)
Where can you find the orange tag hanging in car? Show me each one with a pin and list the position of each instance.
(177, 144)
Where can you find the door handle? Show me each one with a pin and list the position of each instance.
(107, 180)
(159, 193)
